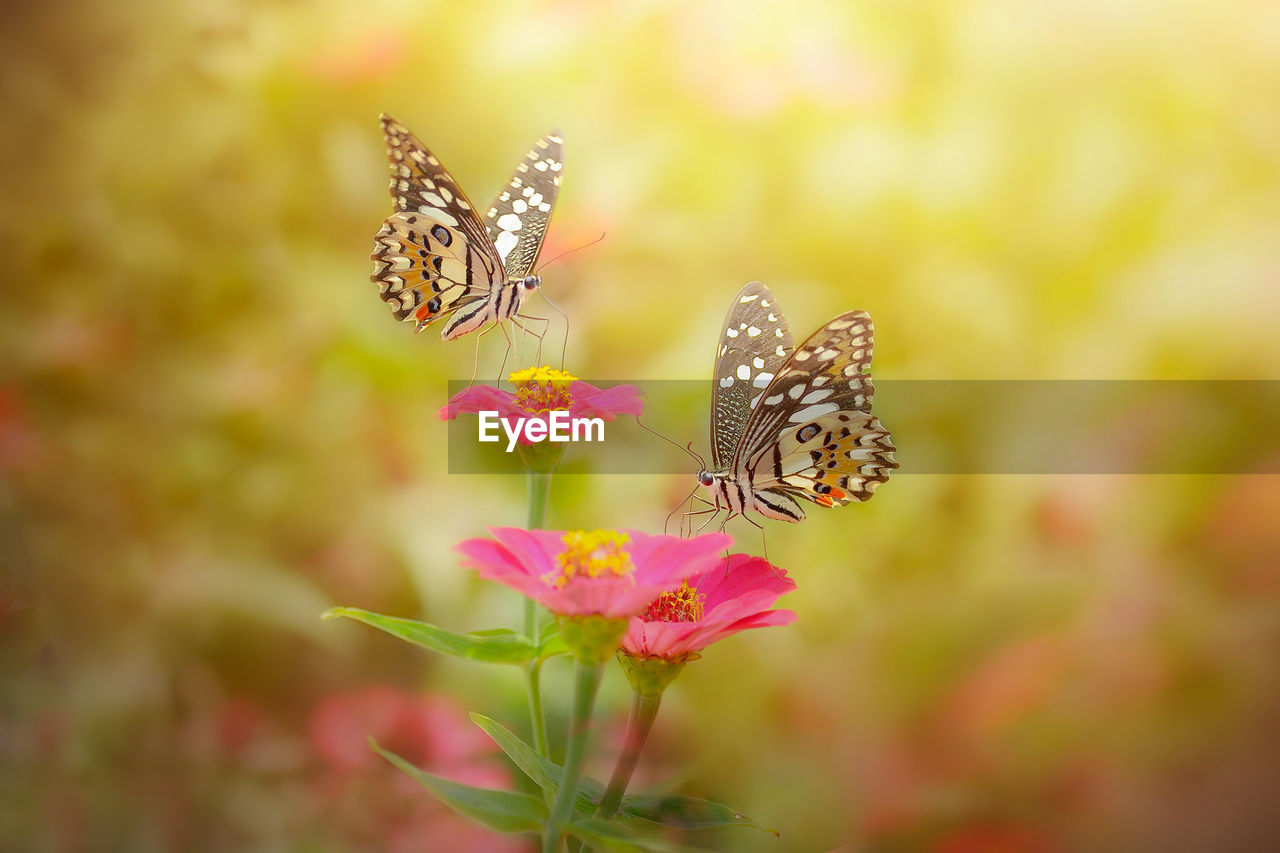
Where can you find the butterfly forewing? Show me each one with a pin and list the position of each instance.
(419, 183)
(754, 345)
(517, 220)
(433, 254)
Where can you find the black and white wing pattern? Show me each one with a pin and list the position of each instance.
(793, 422)
(518, 218)
(754, 344)
(432, 255)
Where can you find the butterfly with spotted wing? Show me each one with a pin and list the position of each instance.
(792, 422)
(434, 257)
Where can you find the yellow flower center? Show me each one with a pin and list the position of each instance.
(542, 389)
(591, 553)
(685, 604)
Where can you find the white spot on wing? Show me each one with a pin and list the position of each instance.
(810, 412)
(744, 372)
(509, 222)
(762, 380)
(505, 242)
(437, 214)
(726, 382)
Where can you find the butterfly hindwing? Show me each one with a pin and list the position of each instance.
(832, 459)
(424, 269)
(518, 217)
(754, 344)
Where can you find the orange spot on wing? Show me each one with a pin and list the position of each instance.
(825, 500)
(837, 494)
(422, 313)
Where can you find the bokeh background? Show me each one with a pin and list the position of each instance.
(211, 430)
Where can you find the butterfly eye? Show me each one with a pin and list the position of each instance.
(531, 282)
(705, 478)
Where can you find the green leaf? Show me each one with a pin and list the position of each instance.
(686, 812)
(544, 772)
(611, 837)
(496, 646)
(551, 643)
(638, 812)
(505, 811)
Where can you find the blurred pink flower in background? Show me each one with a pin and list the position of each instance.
(379, 804)
(431, 731)
(709, 606)
(609, 573)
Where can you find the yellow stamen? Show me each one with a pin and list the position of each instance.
(542, 389)
(591, 553)
(685, 604)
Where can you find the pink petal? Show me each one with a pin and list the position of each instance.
(590, 401)
(711, 633)
(670, 559)
(480, 398)
(745, 574)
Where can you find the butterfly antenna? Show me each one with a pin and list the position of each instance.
(689, 449)
(686, 448)
(571, 251)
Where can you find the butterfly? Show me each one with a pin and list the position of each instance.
(434, 257)
(792, 422)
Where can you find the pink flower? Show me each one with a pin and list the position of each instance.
(609, 573)
(540, 390)
(431, 731)
(709, 606)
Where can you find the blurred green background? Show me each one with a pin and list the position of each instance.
(211, 430)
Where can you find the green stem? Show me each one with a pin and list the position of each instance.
(537, 719)
(539, 488)
(586, 683)
(643, 712)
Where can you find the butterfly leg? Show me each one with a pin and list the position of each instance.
(475, 368)
(687, 499)
(689, 517)
(715, 511)
(505, 353)
(564, 344)
(542, 333)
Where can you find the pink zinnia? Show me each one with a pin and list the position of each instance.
(709, 606)
(540, 390)
(609, 573)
